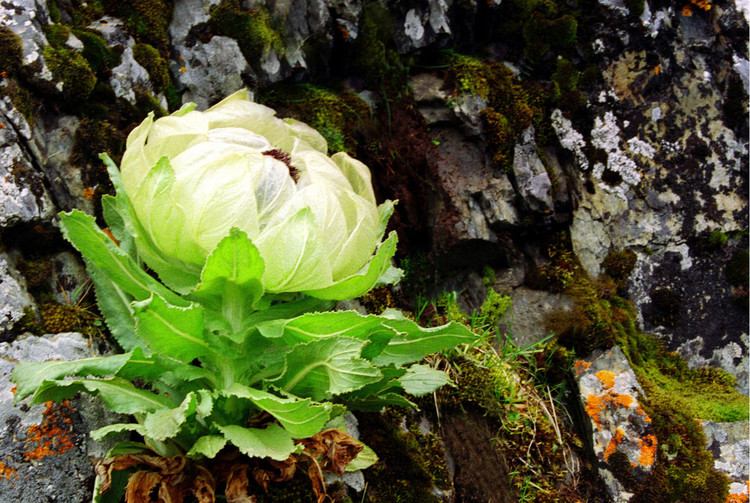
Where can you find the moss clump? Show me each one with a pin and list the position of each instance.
(375, 57)
(619, 265)
(72, 70)
(23, 100)
(57, 34)
(35, 272)
(336, 115)
(57, 318)
(251, 28)
(543, 33)
(11, 50)
(93, 137)
(377, 300)
(156, 66)
(100, 58)
(147, 20)
(512, 107)
(401, 475)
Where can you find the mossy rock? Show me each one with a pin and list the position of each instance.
(72, 69)
(11, 50)
(101, 59)
(251, 28)
(147, 20)
(156, 66)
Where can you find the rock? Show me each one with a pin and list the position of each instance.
(113, 31)
(27, 18)
(129, 77)
(533, 182)
(46, 447)
(730, 445)
(529, 312)
(14, 299)
(423, 25)
(620, 428)
(209, 72)
(467, 108)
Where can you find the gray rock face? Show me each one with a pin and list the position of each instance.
(14, 298)
(210, 71)
(46, 447)
(23, 196)
(128, 77)
(534, 184)
(619, 426)
(730, 445)
(26, 18)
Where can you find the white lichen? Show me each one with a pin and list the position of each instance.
(606, 136)
(569, 138)
(640, 147)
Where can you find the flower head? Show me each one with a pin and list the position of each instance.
(194, 176)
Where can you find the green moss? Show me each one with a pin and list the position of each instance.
(543, 35)
(336, 115)
(54, 11)
(57, 34)
(11, 50)
(35, 272)
(23, 99)
(72, 70)
(147, 20)
(377, 300)
(251, 28)
(100, 58)
(145, 102)
(635, 7)
(375, 57)
(84, 12)
(401, 475)
(156, 66)
(174, 100)
(619, 265)
(512, 105)
(92, 138)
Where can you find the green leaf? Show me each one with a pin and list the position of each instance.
(178, 275)
(118, 394)
(29, 376)
(208, 446)
(360, 283)
(423, 379)
(231, 280)
(417, 342)
(126, 447)
(325, 367)
(272, 442)
(302, 418)
(165, 423)
(117, 226)
(114, 304)
(365, 459)
(81, 230)
(114, 429)
(174, 331)
(375, 403)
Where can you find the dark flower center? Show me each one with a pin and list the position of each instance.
(282, 156)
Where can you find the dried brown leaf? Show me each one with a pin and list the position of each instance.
(204, 486)
(316, 477)
(140, 485)
(334, 448)
(237, 483)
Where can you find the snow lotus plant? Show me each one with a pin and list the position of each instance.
(252, 231)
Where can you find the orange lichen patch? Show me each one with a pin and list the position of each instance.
(7, 472)
(687, 10)
(612, 446)
(657, 69)
(88, 193)
(702, 4)
(53, 436)
(648, 450)
(622, 400)
(183, 69)
(595, 405)
(13, 389)
(737, 498)
(580, 366)
(607, 378)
